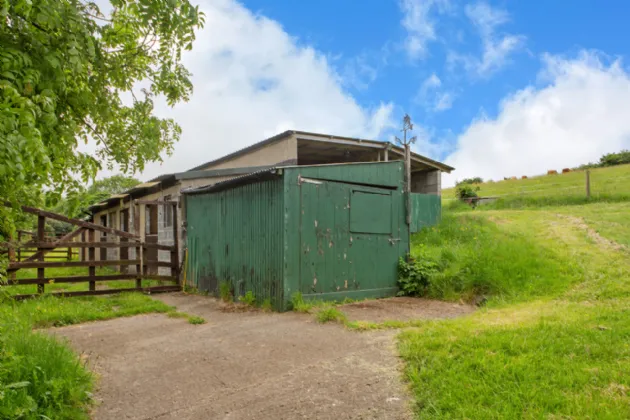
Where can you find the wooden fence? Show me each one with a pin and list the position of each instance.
(84, 238)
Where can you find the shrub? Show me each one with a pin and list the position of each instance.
(463, 191)
(414, 276)
(248, 299)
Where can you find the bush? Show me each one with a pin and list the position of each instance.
(463, 191)
(414, 276)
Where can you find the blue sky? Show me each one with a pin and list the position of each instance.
(495, 88)
(370, 34)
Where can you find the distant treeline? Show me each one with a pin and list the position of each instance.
(609, 159)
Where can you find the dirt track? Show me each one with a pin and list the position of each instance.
(249, 365)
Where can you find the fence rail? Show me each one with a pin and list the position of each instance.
(38, 250)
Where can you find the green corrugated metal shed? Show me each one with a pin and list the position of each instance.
(327, 231)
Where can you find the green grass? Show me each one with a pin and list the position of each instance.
(476, 256)
(555, 340)
(610, 184)
(330, 314)
(40, 376)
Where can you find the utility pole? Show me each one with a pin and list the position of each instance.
(406, 143)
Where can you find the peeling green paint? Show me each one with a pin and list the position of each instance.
(328, 231)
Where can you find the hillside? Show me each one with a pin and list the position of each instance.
(552, 339)
(607, 184)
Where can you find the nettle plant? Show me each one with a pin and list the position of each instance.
(65, 66)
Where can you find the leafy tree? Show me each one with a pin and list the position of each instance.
(77, 203)
(475, 180)
(65, 66)
(612, 159)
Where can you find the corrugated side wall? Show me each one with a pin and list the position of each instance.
(345, 230)
(236, 235)
(426, 210)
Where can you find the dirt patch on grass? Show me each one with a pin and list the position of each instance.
(239, 365)
(403, 309)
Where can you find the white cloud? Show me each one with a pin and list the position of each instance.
(419, 23)
(444, 101)
(358, 72)
(431, 82)
(496, 47)
(431, 97)
(579, 115)
(253, 80)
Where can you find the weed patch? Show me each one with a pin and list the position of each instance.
(248, 299)
(196, 320)
(266, 305)
(330, 315)
(225, 292)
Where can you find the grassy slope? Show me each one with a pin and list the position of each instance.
(39, 375)
(555, 344)
(607, 184)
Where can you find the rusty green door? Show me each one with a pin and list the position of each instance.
(349, 240)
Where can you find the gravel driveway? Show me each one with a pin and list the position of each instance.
(248, 365)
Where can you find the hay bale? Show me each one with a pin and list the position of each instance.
(566, 170)
(552, 172)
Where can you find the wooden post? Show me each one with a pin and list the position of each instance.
(19, 250)
(175, 251)
(92, 257)
(41, 232)
(588, 184)
(139, 224)
(83, 250)
(11, 254)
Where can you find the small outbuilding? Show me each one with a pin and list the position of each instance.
(327, 231)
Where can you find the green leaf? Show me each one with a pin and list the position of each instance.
(17, 385)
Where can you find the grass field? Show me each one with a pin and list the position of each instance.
(611, 184)
(554, 338)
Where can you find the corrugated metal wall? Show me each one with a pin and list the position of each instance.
(345, 230)
(426, 210)
(236, 235)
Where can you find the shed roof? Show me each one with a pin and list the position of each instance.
(305, 136)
